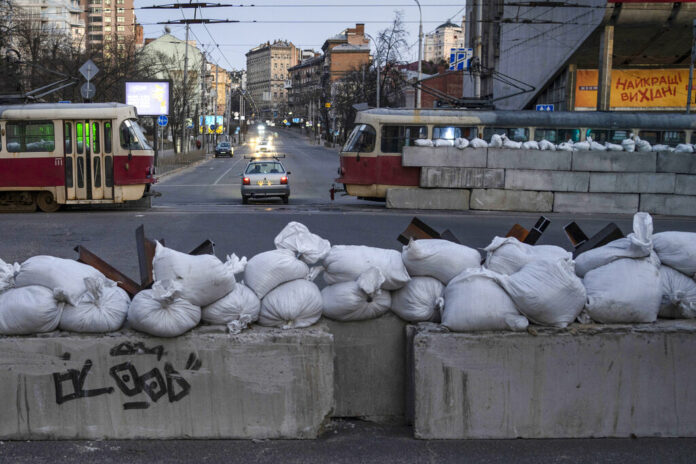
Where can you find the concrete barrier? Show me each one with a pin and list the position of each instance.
(584, 381)
(264, 383)
(370, 368)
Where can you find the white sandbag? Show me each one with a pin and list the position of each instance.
(628, 145)
(346, 262)
(581, 146)
(677, 250)
(7, 275)
(475, 301)
(357, 300)
(203, 278)
(291, 305)
(29, 310)
(546, 292)
(565, 146)
(479, 143)
(613, 146)
(507, 143)
(496, 141)
(642, 145)
(461, 143)
(624, 291)
(684, 148)
(638, 244)
(531, 145)
(660, 147)
(162, 312)
(269, 269)
(443, 143)
(307, 246)
(419, 301)
(102, 308)
(424, 143)
(236, 310)
(57, 273)
(508, 255)
(596, 146)
(440, 259)
(678, 295)
(546, 145)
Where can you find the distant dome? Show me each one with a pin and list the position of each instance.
(447, 24)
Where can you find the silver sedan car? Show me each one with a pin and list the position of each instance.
(265, 177)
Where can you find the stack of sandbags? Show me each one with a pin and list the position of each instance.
(677, 254)
(475, 301)
(102, 308)
(357, 299)
(162, 311)
(432, 264)
(508, 255)
(345, 263)
(236, 310)
(622, 278)
(284, 282)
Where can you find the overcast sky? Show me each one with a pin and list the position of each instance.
(306, 23)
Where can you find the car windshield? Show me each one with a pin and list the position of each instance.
(269, 167)
(224, 145)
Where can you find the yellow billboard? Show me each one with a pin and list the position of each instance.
(636, 89)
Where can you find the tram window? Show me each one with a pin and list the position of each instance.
(95, 138)
(606, 135)
(362, 139)
(550, 135)
(568, 134)
(394, 138)
(671, 138)
(454, 132)
(67, 135)
(68, 172)
(109, 171)
(132, 137)
(107, 137)
(517, 134)
(97, 172)
(80, 138)
(80, 172)
(30, 136)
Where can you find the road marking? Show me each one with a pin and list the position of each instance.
(225, 173)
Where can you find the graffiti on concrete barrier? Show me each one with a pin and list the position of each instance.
(152, 385)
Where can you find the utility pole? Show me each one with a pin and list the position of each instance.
(215, 104)
(478, 47)
(691, 68)
(420, 51)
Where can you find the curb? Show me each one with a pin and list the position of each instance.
(182, 168)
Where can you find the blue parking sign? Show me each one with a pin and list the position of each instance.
(544, 107)
(460, 58)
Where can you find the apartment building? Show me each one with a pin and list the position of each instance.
(267, 73)
(62, 16)
(437, 45)
(110, 22)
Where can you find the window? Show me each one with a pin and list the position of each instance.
(107, 10)
(362, 139)
(394, 138)
(107, 19)
(25, 136)
(95, 138)
(608, 135)
(265, 168)
(517, 134)
(453, 132)
(120, 2)
(80, 138)
(120, 10)
(67, 136)
(107, 28)
(671, 138)
(557, 135)
(107, 137)
(132, 137)
(120, 19)
(120, 28)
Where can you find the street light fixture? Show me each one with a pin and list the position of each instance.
(378, 64)
(420, 48)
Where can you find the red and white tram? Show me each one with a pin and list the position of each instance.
(55, 154)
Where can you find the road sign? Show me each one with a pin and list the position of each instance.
(544, 107)
(89, 70)
(64, 101)
(327, 105)
(162, 120)
(88, 90)
(460, 58)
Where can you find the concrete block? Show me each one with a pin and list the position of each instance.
(529, 159)
(263, 383)
(584, 381)
(462, 178)
(648, 182)
(444, 156)
(620, 203)
(684, 163)
(614, 161)
(511, 200)
(370, 368)
(418, 198)
(685, 185)
(670, 205)
(562, 181)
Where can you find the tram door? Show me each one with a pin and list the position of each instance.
(88, 160)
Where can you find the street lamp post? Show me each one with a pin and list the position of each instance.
(379, 63)
(420, 48)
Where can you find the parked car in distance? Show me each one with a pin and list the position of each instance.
(265, 177)
(224, 149)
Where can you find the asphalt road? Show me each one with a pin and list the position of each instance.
(204, 202)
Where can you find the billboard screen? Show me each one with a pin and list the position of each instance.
(149, 98)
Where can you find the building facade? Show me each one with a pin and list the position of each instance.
(267, 74)
(110, 24)
(62, 16)
(437, 45)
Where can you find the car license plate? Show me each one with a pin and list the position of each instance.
(264, 182)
